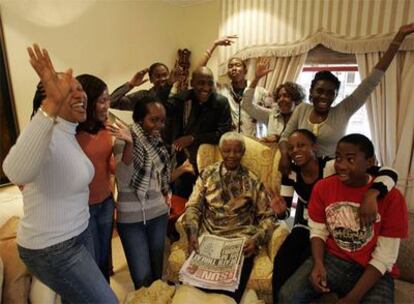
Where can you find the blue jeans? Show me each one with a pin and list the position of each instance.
(144, 249)
(341, 277)
(69, 269)
(100, 225)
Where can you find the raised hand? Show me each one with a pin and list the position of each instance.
(262, 67)
(407, 29)
(138, 78)
(226, 40)
(120, 131)
(57, 88)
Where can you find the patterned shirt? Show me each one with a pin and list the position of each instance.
(229, 204)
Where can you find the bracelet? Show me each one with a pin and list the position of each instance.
(45, 114)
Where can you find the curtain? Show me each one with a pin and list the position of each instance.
(390, 110)
(283, 69)
(284, 28)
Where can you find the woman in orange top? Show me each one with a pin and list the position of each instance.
(97, 144)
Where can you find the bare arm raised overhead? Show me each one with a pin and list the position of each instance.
(224, 41)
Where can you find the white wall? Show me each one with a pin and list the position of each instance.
(110, 39)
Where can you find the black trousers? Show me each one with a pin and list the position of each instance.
(291, 255)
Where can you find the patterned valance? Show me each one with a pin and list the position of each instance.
(292, 27)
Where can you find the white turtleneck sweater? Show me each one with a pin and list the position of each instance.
(55, 172)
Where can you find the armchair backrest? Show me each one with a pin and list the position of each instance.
(262, 159)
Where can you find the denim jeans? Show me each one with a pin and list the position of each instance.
(69, 269)
(144, 249)
(341, 277)
(100, 225)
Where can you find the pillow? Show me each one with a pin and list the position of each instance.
(40, 293)
(11, 203)
(16, 277)
(9, 229)
(188, 294)
(405, 260)
(1, 276)
(250, 297)
(158, 293)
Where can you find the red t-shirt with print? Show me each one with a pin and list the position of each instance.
(336, 205)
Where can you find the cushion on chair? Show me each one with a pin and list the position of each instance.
(40, 293)
(188, 294)
(1, 276)
(275, 175)
(278, 237)
(405, 260)
(207, 155)
(9, 229)
(404, 292)
(158, 293)
(16, 277)
(261, 275)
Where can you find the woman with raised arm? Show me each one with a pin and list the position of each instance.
(329, 123)
(288, 95)
(53, 237)
(163, 87)
(235, 91)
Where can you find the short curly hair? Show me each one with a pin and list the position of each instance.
(294, 90)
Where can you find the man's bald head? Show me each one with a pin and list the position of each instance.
(202, 82)
(202, 71)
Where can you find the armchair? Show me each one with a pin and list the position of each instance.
(263, 161)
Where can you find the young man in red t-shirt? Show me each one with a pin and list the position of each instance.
(357, 263)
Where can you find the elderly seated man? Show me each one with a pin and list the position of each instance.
(228, 200)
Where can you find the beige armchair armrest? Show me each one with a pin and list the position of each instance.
(178, 254)
(278, 237)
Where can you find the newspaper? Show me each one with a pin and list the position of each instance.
(217, 265)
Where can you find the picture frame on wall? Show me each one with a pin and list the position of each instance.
(9, 127)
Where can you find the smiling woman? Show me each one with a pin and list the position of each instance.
(8, 119)
(53, 238)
